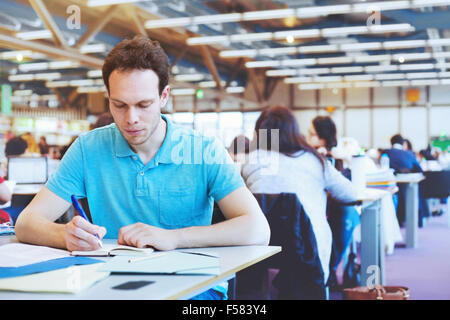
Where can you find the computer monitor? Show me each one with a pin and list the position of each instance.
(27, 170)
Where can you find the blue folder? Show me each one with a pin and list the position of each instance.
(44, 266)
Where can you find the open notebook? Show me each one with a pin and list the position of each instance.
(114, 250)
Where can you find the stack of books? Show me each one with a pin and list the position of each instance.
(381, 179)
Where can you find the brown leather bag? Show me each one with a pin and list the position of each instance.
(377, 293)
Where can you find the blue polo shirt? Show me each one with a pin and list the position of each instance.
(176, 189)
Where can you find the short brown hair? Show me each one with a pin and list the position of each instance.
(138, 53)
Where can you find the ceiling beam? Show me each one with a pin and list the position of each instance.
(46, 17)
(209, 61)
(97, 26)
(133, 14)
(50, 51)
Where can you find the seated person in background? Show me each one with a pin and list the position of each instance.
(103, 120)
(405, 162)
(33, 147)
(400, 160)
(239, 147)
(43, 146)
(144, 184)
(342, 218)
(296, 167)
(17, 146)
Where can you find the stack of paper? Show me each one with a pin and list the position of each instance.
(381, 179)
(31, 268)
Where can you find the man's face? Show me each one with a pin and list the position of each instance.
(135, 103)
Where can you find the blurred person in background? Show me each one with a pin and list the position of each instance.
(33, 147)
(103, 120)
(43, 146)
(342, 218)
(299, 169)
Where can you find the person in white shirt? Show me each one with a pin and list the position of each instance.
(285, 162)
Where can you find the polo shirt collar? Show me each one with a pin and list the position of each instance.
(123, 149)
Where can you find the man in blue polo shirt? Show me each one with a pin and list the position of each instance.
(147, 181)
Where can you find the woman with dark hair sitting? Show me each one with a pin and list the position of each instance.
(342, 218)
(287, 163)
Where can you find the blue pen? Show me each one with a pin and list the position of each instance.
(80, 211)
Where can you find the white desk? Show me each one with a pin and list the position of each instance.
(372, 243)
(411, 180)
(165, 287)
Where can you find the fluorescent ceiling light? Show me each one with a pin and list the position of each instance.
(421, 75)
(238, 53)
(259, 36)
(91, 89)
(381, 68)
(380, 6)
(343, 31)
(183, 92)
(445, 81)
(399, 83)
(281, 72)
(426, 82)
(297, 34)
(390, 76)
(207, 40)
(82, 82)
(167, 23)
(189, 77)
(311, 86)
(335, 60)
(322, 48)
(47, 76)
(311, 12)
(217, 18)
(439, 42)
(262, 64)
(93, 48)
(427, 3)
(94, 73)
(298, 80)
(22, 92)
(413, 56)
(33, 35)
(362, 77)
(382, 28)
(404, 44)
(235, 89)
(268, 14)
(57, 84)
(314, 71)
(298, 62)
(367, 84)
(210, 84)
(26, 67)
(372, 58)
(360, 46)
(416, 66)
(327, 78)
(96, 3)
(347, 69)
(64, 64)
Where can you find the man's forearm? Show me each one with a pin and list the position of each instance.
(39, 231)
(241, 230)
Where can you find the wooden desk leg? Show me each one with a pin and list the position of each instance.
(372, 249)
(412, 214)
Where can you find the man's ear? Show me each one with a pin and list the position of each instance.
(165, 96)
